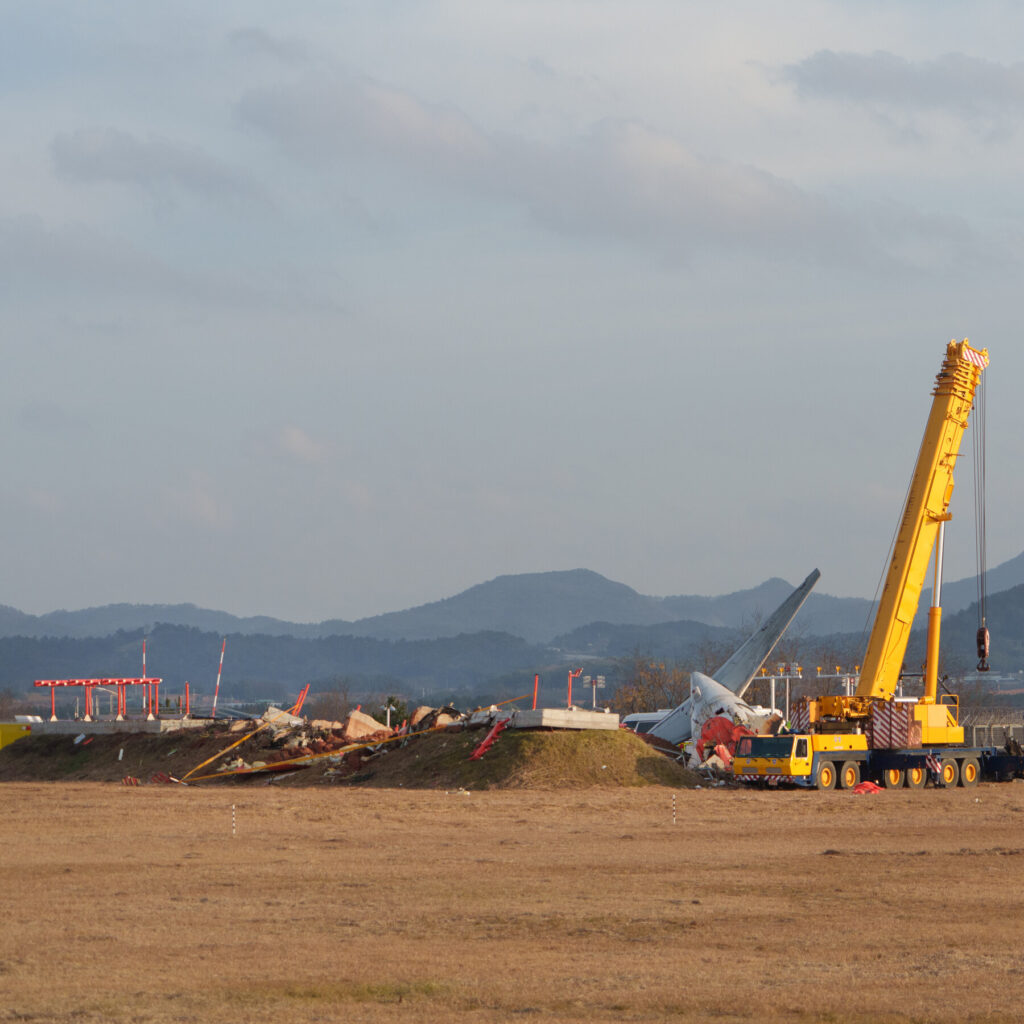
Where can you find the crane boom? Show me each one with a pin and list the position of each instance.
(926, 508)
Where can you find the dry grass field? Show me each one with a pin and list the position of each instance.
(342, 904)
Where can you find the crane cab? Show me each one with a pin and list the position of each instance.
(818, 760)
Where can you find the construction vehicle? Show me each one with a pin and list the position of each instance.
(873, 734)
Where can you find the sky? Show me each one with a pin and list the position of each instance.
(328, 309)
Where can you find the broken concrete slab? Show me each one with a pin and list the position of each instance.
(564, 718)
(106, 728)
(325, 725)
(281, 718)
(487, 716)
(359, 726)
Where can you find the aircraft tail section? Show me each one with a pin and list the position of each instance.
(740, 669)
(737, 673)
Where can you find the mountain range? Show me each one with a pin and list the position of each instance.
(534, 606)
(486, 642)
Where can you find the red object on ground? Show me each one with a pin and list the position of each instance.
(489, 739)
(867, 787)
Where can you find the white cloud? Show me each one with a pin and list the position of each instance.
(294, 443)
(257, 42)
(620, 179)
(344, 115)
(196, 503)
(108, 154)
(967, 87)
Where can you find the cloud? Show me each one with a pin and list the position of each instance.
(44, 417)
(107, 154)
(621, 177)
(346, 116)
(955, 83)
(195, 502)
(295, 444)
(36, 255)
(255, 42)
(629, 180)
(618, 178)
(289, 444)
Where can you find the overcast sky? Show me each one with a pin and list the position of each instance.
(326, 309)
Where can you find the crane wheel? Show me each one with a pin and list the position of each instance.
(892, 778)
(849, 774)
(916, 777)
(825, 776)
(949, 772)
(970, 772)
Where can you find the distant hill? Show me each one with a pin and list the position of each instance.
(676, 641)
(487, 664)
(258, 665)
(962, 594)
(534, 606)
(108, 619)
(537, 607)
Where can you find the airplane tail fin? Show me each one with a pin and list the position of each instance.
(737, 673)
(740, 669)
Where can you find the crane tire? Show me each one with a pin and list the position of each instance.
(849, 774)
(970, 772)
(892, 778)
(916, 777)
(949, 772)
(825, 776)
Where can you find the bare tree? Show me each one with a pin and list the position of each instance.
(331, 704)
(650, 685)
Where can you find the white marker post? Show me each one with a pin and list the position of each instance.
(220, 668)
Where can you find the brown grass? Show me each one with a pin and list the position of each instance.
(520, 758)
(356, 905)
(525, 759)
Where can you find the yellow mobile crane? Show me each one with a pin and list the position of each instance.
(870, 734)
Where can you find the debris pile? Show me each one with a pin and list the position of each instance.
(429, 751)
(341, 748)
(291, 743)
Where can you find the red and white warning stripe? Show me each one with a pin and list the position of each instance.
(976, 358)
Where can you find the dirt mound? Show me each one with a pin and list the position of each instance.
(40, 758)
(437, 760)
(524, 758)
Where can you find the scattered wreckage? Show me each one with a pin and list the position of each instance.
(290, 742)
(296, 743)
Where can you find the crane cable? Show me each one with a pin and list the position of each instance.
(981, 553)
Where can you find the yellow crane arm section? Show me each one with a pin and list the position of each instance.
(927, 502)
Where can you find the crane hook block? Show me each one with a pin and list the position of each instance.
(982, 649)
